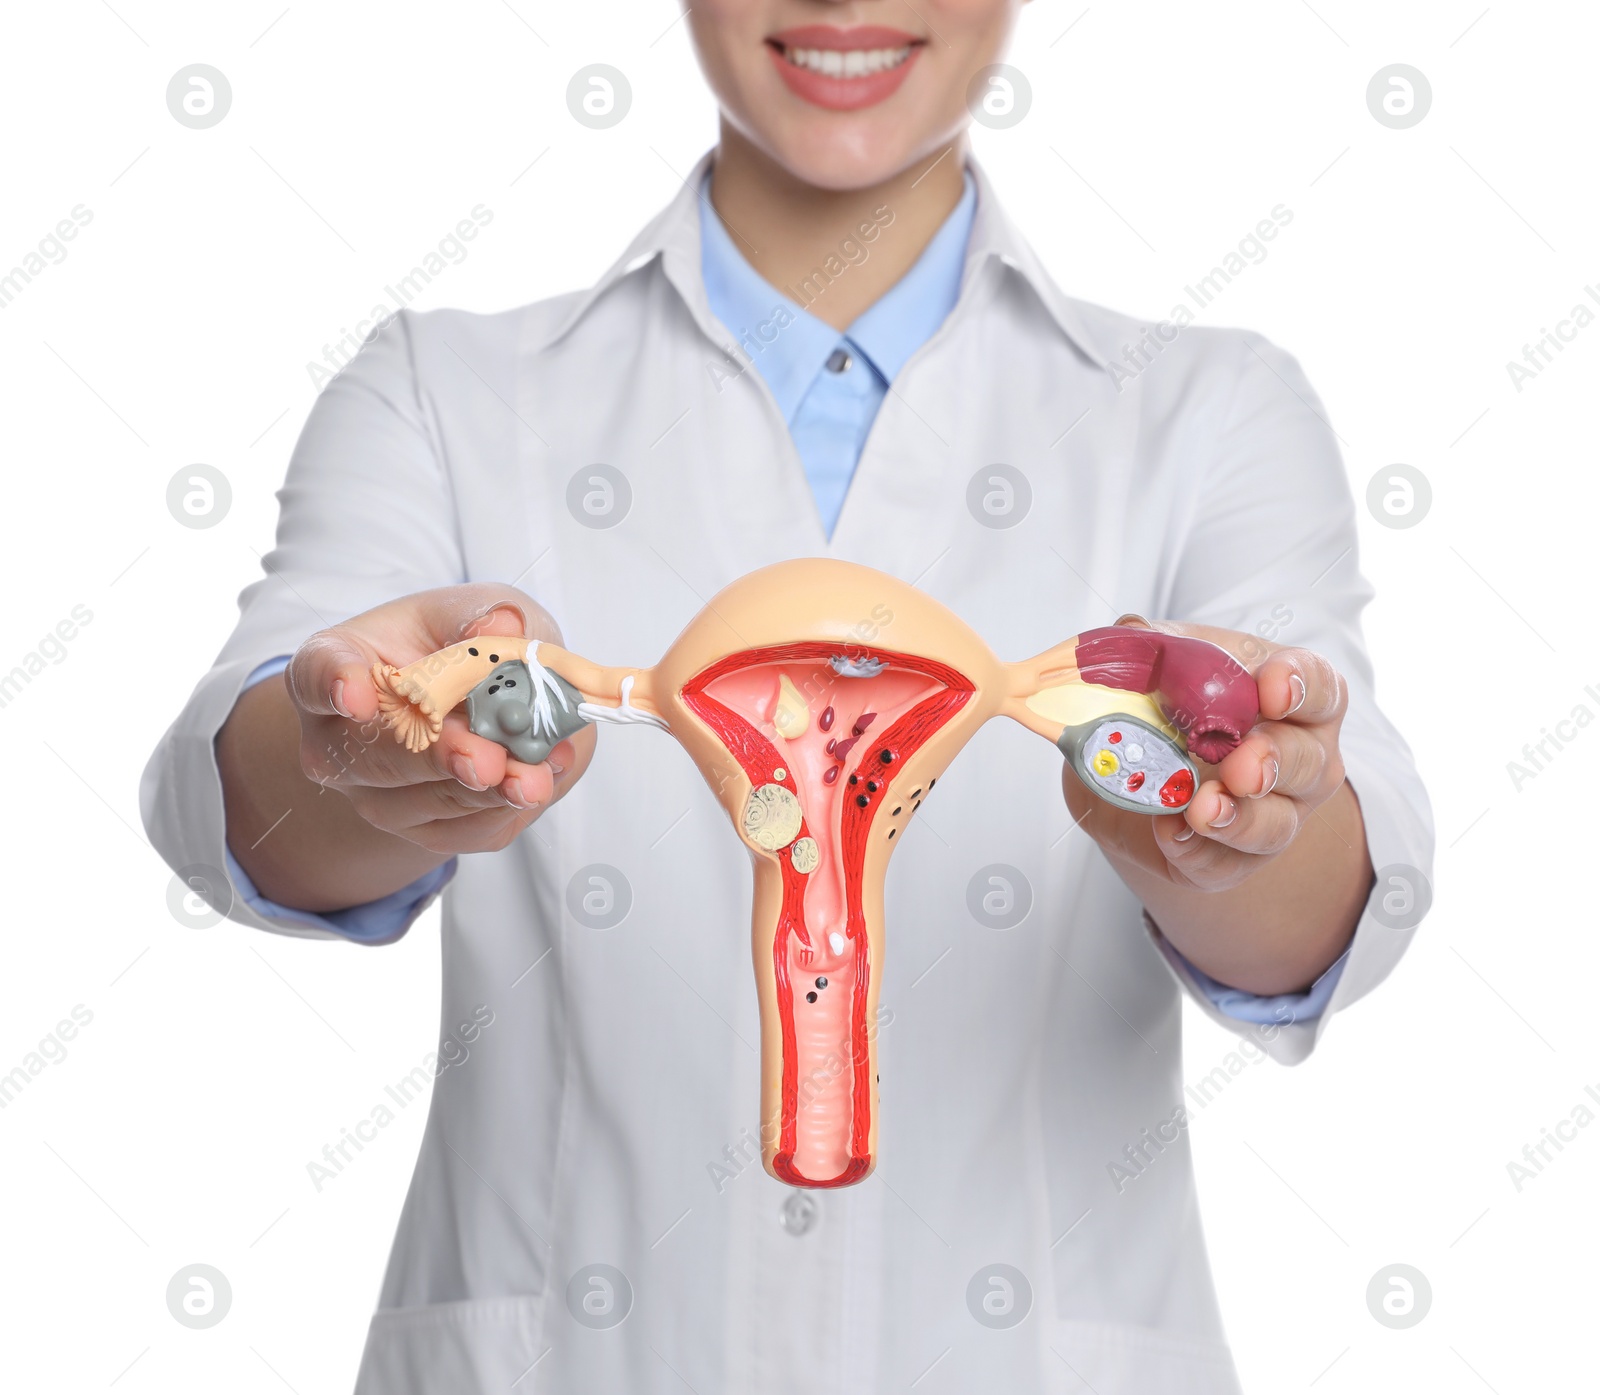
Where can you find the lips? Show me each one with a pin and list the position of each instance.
(843, 69)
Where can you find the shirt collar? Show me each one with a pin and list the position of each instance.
(672, 238)
(995, 239)
(789, 346)
(907, 315)
(785, 343)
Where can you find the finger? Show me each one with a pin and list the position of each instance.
(464, 612)
(1302, 686)
(1192, 860)
(402, 810)
(526, 785)
(1261, 826)
(1246, 649)
(330, 674)
(487, 830)
(1280, 757)
(460, 754)
(480, 763)
(367, 754)
(564, 756)
(452, 613)
(337, 752)
(1124, 837)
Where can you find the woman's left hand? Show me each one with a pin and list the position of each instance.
(1251, 807)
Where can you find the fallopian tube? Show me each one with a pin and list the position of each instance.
(821, 701)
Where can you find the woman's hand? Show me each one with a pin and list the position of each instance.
(1272, 842)
(462, 794)
(1250, 808)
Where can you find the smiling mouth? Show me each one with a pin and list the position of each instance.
(843, 63)
(843, 69)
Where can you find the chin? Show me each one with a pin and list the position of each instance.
(843, 166)
(846, 154)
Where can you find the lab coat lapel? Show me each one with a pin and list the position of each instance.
(912, 503)
(756, 462)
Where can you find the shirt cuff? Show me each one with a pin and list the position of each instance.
(1281, 1008)
(377, 922)
(266, 670)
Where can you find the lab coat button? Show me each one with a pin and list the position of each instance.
(799, 1213)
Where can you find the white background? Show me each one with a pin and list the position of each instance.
(219, 262)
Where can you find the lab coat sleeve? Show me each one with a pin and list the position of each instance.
(1257, 1008)
(1254, 1007)
(1270, 548)
(377, 922)
(366, 515)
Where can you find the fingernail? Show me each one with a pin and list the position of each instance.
(514, 796)
(464, 770)
(1270, 782)
(515, 609)
(1185, 836)
(1226, 814)
(556, 767)
(1296, 680)
(336, 697)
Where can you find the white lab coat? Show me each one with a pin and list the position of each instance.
(618, 1074)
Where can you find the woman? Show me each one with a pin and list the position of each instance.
(831, 342)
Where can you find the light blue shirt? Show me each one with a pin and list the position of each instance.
(829, 387)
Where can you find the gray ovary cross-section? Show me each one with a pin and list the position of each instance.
(501, 709)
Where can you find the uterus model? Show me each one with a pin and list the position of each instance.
(822, 701)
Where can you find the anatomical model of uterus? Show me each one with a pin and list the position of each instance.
(821, 701)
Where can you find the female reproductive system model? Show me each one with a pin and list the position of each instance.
(821, 748)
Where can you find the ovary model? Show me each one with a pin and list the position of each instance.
(821, 701)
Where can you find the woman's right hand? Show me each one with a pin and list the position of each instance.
(464, 793)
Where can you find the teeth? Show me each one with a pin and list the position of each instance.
(847, 63)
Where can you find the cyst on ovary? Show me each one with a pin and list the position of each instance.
(772, 817)
(791, 717)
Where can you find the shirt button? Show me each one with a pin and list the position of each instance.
(839, 361)
(799, 1213)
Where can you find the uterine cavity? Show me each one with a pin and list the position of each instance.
(829, 742)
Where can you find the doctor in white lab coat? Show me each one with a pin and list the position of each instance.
(589, 1211)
